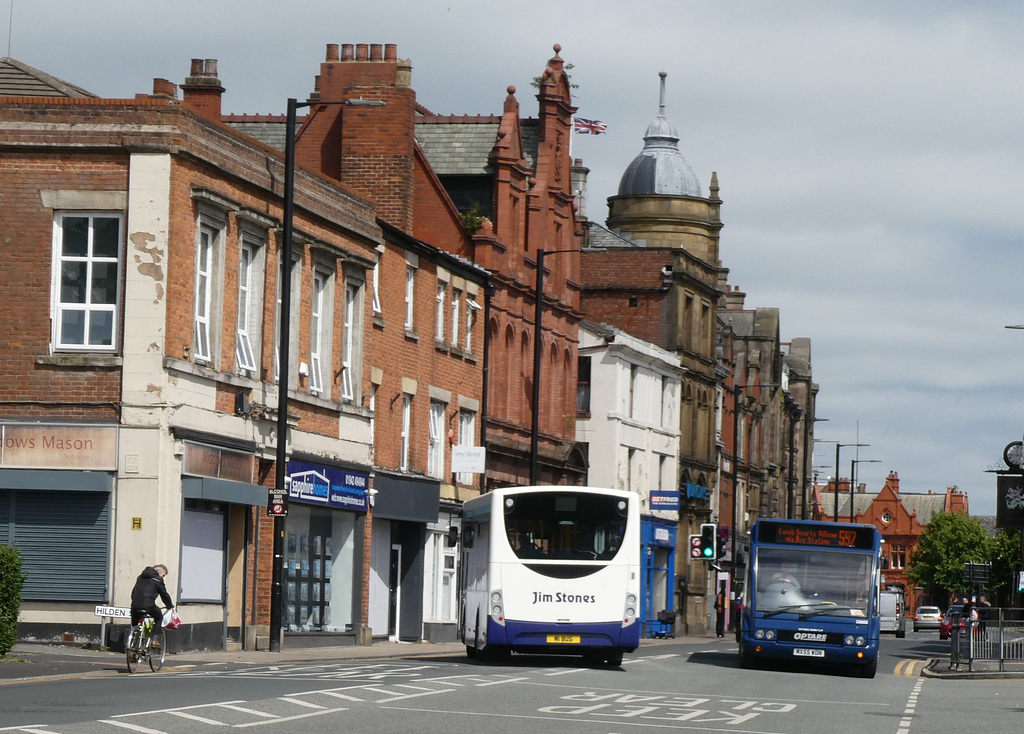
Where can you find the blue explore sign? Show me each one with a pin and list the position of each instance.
(326, 486)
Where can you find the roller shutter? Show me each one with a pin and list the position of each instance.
(63, 539)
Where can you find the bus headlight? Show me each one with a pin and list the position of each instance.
(759, 634)
(769, 634)
(861, 640)
(848, 640)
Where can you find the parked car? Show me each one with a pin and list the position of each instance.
(927, 618)
(946, 624)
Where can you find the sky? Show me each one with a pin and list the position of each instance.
(870, 157)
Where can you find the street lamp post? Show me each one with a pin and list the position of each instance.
(853, 479)
(735, 390)
(537, 351)
(835, 509)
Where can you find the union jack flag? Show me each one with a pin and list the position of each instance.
(582, 126)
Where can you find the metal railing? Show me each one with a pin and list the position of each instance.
(996, 637)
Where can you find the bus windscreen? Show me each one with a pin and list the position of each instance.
(822, 582)
(565, 526)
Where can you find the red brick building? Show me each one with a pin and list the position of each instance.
(152, 230)
(900, 517)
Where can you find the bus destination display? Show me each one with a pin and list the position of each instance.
(835, 536)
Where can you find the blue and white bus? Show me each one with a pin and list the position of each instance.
(811, 594)
(551, 570)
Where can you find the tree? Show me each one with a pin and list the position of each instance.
(951, 540)
(1005, 562)
(11, 580)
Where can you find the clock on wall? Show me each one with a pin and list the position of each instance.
(1013, 454)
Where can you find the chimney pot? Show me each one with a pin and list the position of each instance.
(332, 52)
(390, 52)
(197, 67)
(211, 68)
(346, 52)
(362, 52)
(376, 52)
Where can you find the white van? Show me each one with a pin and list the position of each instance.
(892, 610)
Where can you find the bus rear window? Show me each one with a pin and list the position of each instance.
(565, 526)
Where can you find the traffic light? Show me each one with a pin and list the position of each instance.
(708, 541)
(1020, 581)
(723, 539)
(695, 546)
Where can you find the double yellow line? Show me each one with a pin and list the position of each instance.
(910, 668)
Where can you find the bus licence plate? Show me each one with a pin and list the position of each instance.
(809, 652)
(563, 639)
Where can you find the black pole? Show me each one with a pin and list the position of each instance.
(735, 476)
(488, 294)
(538, 313)
(284, 341)
(853, 468)
(791, 485)
(835, 487)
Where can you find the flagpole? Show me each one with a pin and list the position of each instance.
(572, 134)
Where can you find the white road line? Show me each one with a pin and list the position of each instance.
(391, 697)
(298, 702)
(282, 719)
(130, 727)
(196, 717)
(180, 708)
(500, 682)
(253, 712)
(335, 694)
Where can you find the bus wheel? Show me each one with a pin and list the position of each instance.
(901, 633)
(746, 661)
(614, 658)
(869, 670)
(470, 652)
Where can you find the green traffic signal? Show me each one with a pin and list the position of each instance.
(708, 540)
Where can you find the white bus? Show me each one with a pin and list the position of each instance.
(552, 570)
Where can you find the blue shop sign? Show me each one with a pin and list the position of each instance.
(665, 499)
(696, 491)
(328, 487)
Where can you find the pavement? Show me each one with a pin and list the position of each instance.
(34, 661)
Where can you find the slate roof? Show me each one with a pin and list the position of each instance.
(268, 129)
(926, 505)
(18, 79)
(742, 322)
(461, 144)
(601, 237)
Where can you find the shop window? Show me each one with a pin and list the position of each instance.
(202, 555)
(320, 552)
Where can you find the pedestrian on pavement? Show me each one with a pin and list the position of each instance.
(148, 586)
(720, 601)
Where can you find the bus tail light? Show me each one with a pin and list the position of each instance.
(630, 612)
(497, 608)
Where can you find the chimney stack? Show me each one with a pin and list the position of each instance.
(202, 89)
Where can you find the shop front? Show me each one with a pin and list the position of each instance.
(56, 487)
(658, 549)
(323, 555)
(403, 509)
(218, 502)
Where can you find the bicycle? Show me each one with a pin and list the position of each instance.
(146, 641)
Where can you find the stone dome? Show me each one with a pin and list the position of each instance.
(660, 167)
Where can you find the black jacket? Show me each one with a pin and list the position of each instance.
(147, 588)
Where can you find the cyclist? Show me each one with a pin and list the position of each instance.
(148, 587)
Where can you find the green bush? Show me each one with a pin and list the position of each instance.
(11, 579)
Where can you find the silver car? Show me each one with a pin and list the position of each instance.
(926, 618)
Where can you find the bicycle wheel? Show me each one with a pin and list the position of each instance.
(131, 648)
(157, 649)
